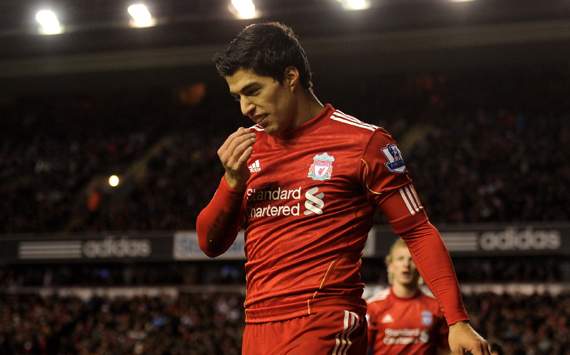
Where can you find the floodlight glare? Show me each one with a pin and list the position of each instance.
(243, 9)
(48, 22)
(461, 0)
(140, 16)
(114, 181)
(355, 4)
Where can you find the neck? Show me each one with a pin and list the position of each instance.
(308, 106)
(404, 291)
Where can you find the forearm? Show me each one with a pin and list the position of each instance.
(434, 264)
(217, 225)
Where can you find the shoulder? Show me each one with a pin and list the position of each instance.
(350, 123)
(427, 296)
(430, 301)
(357, 131)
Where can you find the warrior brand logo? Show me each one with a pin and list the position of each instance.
(395, 161)
(314, 203)
(322, 167)
(255, 167)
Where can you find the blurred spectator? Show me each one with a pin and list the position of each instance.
(191, 324)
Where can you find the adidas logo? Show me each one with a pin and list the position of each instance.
(255, 167)
(387, 319)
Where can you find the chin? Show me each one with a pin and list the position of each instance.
(272, 130)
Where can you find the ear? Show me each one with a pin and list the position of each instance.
(390, 268)
(292, 77)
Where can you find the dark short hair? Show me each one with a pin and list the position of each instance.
(267, 49)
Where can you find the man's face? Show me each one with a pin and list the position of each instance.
(402, 267)
(264, 100)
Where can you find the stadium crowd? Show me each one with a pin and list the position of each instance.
(211, 324)
(190, 324)
(478, 151)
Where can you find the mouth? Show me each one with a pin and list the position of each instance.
(261, 119)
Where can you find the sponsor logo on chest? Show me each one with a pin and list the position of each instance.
(277, 201)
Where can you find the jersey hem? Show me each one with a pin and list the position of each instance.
(280, 313)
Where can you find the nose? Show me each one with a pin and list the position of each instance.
(246, 106)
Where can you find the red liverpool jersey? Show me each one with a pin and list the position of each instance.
(307, 210)
(405, 325)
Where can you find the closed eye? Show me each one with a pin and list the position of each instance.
(251, 91)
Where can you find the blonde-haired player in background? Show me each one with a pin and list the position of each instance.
(403, 319)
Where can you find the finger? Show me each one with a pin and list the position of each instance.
(225, 152)
(235, 139)
(245, 155)
(240, 131)
(234, 151)
(486, 349)
(479, 349)
(238, 143)
(234, 161)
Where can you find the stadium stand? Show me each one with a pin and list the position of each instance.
(211, 324)
(56, 153)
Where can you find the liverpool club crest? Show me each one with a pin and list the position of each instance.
(427, 318)
(322, 167)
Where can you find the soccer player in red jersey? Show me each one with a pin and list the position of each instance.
(304, 182)
(403, 319)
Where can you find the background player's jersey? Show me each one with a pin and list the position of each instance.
(405, 325)
(307, 211)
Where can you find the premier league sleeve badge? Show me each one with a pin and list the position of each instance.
(395, 161)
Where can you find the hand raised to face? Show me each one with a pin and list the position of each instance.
(233, 154)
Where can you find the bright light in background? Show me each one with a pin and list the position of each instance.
(461, 0)
(48, 22)
(140, 16)
(114, 181)
(355, 4)
(243, 9)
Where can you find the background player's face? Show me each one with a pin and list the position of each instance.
(402, 267)
(264, 100)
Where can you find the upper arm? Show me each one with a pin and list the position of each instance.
(388, 183)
